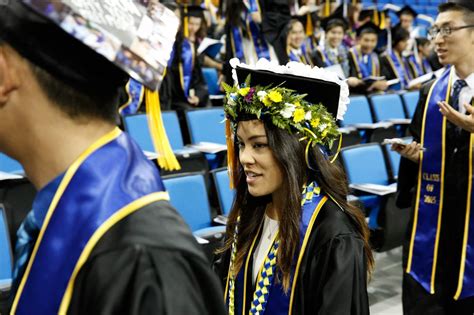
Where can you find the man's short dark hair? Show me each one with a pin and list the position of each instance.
(468, 15)
(78, 102)
(92, 102)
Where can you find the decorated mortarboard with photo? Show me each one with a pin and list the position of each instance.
(136, 35)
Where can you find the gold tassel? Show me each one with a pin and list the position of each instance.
(382, 21)
(327, 8)
(376, 17)
(185, 21)
(309, 25)
(231, 162)
(166, 158)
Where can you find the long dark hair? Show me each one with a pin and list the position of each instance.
(289, 151)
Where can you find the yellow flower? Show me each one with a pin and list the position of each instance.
(314, 122)
(266, 101)
(244, 91)
(275, 96)
(297, 104)
(298, 115)
(325, 132)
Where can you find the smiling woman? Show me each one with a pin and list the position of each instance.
(293, 241)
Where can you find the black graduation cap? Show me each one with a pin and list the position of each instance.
(318, 91)
(367, 13)
(192, 10)
(368, 27)
(335, 19)
(407, 10)
(468, 4)
(80, 47)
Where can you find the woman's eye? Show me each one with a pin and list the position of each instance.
(260, 145)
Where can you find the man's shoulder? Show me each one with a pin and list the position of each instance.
(156, 225)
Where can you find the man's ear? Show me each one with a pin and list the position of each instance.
(9, 72)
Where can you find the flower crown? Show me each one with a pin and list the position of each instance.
(284, 108)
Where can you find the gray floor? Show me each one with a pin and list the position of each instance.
(385, 288)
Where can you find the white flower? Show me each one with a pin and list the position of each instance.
(308, 115)
(287, 112)
(231, 99)
(322, 127)
(261, 95)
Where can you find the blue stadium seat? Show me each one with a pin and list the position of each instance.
(137, 127)
(410, 100)
(387, 106)
(206, 125)
(212, 78)
(358, 112)
(224, 194)
(173, 130)
(188, 194)
(9, 165)
(5, 251)
(364, 164)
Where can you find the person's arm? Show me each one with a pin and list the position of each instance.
(337, 282)
(466, 122)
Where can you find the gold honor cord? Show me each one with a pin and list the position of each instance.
(231, 160)
(166, 158)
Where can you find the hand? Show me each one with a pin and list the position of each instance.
(410, 151)
(466, 122)
(378, 85)
(303, 10)
(193, 100)
(353, 82)
(415, 87)
(256, 17)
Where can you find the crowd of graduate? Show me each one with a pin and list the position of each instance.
(358, 42)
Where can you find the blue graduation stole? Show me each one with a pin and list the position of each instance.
(186, 65)
(93, 195)
(368, 68)
(135, 91)
(325, 58)
(423, 251)
(417, 67)
(303, 58)
(260, 45)
(276, 300)
(398, 67)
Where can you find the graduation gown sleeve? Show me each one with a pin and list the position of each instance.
(408, 170)
(317, 58)
(333, 277)
(386, 69)
(147, 264)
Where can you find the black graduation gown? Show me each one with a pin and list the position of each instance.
(385, 68)
(275, 17)
(415, 299)
(173, 92)
(333, 276)
(148, 263)
(361, 89)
